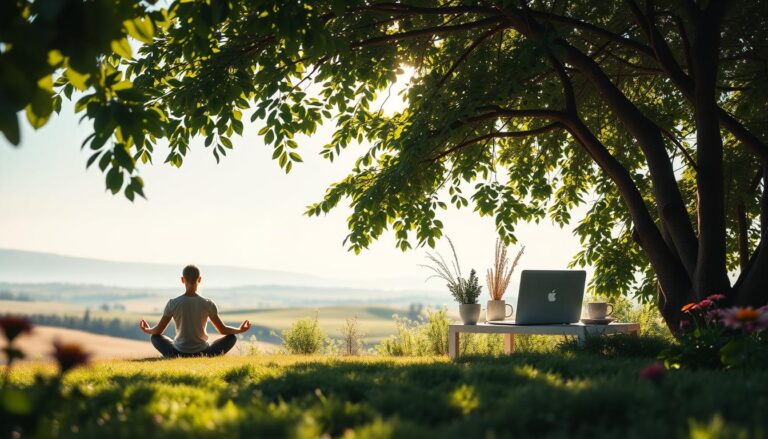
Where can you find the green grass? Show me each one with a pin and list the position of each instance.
(560, 394)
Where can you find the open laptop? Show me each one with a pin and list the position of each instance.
(549, 297)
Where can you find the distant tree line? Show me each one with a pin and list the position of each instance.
(19, 297)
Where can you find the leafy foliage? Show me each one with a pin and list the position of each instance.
(466, 291)
(475, 129)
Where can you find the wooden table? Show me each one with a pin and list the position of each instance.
(579, 330)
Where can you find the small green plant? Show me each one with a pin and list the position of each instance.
(464, 291)
(304, 337)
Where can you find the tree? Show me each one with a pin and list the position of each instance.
(650, 115)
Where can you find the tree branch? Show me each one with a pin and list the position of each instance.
(429, 31)
(496, 135)
(467, 52)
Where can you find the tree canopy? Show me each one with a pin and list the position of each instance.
(650, 115)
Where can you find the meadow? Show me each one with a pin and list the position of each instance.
(569, 393)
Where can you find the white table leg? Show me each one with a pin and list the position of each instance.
(453, 344)
(509, 343)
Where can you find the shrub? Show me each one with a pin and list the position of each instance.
(304, 337)
(351, 337)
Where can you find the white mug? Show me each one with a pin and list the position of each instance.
(599, 310)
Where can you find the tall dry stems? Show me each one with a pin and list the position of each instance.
(498, 277)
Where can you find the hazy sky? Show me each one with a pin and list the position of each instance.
(244, 212)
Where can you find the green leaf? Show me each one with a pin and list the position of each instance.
(114, 180)
(122, 48)
(39, 109)
(78, 80)
(9, 125)
(295, 157)
(140, 28)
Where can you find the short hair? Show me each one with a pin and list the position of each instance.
(191, 273)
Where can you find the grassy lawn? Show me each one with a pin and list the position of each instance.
(563, 394)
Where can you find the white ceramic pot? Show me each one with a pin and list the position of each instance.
(470, 313)
(497, 310)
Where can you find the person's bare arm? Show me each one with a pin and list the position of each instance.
(157, 329)
(227, 330)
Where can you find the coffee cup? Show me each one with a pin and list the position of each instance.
(599, 310)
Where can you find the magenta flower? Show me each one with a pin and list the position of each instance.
(715, 297)
(653, 372)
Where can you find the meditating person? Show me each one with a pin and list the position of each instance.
(190, 312)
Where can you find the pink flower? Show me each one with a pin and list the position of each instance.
(705, 304)
(746, 318)
(714, 297)
(653, 372)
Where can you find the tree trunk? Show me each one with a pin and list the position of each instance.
(711, 275)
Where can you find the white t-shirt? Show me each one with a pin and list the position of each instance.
(191, 314)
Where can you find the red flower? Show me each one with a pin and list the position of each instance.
(69, 355)
(653, 372)
(13, 326)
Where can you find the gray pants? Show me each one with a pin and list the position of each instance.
(164, 345)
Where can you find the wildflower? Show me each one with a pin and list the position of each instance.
(704, 304)
(653, 372)
(13, 326)
(69, 355)
(715, 297)
(746, 318)
(688, 307)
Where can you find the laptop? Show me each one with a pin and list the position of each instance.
(549, 297)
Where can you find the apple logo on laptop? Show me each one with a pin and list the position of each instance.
(552, 296)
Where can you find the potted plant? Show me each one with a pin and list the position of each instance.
(464, 291)
(498, 280)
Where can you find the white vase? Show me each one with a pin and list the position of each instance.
(497, 310)
(470, 313)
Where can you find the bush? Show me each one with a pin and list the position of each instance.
(351, 337)
(304, 337)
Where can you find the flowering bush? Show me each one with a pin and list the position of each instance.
(718, 337)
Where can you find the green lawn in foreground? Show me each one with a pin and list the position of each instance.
(562, 394)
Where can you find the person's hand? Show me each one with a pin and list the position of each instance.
(144, 326)
(245, 326)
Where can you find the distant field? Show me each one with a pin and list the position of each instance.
(375, 321)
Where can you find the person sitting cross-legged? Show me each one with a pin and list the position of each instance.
(190, 312)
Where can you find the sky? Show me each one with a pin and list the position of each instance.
(244, 212)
